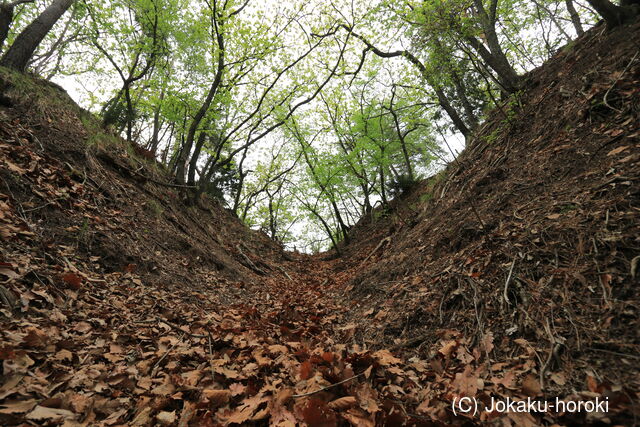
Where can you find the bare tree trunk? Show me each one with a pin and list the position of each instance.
(494, 56)
(6, 17)
(193, 163)
(22, 49)
(458, 83)
(616, 15)
(575, 18)
(451, 112)
(155, 136)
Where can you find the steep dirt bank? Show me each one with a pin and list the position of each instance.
(122, 306)
(529, 239)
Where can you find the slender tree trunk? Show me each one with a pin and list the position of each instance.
(326, 228)
(130, 112)
(452, 112)
(494, 56)
(153, 145)
(242, 175)
(193, 128)
(22, 49)
(383, 193)
(458, 83)
(343, 227)
(193, 163)
(575, 17)
(507, 76)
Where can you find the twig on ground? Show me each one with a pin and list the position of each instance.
(556, 344)
(615, 353)
(506, 284)
(213, 372)
(383, 241)
(157, 364)
(285, 273)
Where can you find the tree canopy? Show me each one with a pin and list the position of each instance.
(300, 116)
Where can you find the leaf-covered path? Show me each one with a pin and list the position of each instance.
(121, 305)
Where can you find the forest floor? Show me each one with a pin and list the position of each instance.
(512, 274)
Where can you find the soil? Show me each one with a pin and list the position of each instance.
(511, 274)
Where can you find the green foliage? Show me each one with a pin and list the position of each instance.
(307, 128)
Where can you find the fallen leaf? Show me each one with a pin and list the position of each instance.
(317, 413)
(448, 348)
(385, 358)
(9, 386)
(63, 355)
(83, 327)
(531, 386)
(217, 397)
(466, 382)
(41, 413)
(343, 403)
(359, 418)
(166, 418)
(143, 418)
(616, 151)
(559, 378)
(73, 280)
(237, 389)
(17, 406)
(35, 337)
(306, 370)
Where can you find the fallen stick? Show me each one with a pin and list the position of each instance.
(251, 264)
(383, 241)
(284, 272)
(157, 364)
(506, 284)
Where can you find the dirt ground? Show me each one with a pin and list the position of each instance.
(511, 275)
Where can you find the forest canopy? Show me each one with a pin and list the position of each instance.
(301, 116)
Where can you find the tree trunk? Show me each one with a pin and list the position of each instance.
(458, 83)
(6, 17)
(155, 136)
(193, 128)
(575, 18)
(615, 15)
(343, 227)
(507, 76)
(22, 49)
(494, 56)
(193, 163)
(451, 112)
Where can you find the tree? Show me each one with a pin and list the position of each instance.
(141, 30)
(443, 100)
(615, 15)
(22, 49)
(6, 17)
(575, 17)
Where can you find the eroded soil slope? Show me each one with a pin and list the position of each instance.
(509, 275)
